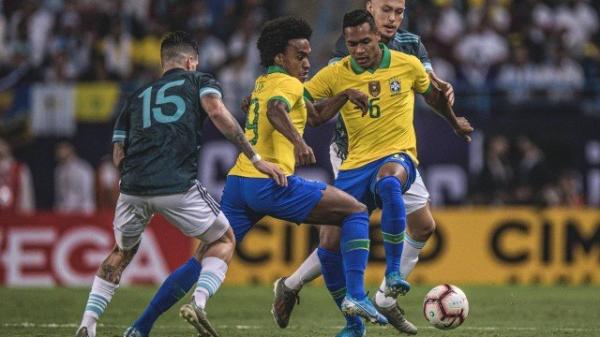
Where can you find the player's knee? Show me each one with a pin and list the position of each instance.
(388, 186)
(229, 238)
(357, 207)
(329, 238)
(422, 228)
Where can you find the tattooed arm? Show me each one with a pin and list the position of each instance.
(229, 127)
(118, 154)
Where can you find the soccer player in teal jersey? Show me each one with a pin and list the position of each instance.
(156, 141)
(388, 15)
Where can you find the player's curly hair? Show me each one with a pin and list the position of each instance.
(358, 17)
(276, 34)
(176, 44)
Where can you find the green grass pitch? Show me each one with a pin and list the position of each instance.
(244, 311)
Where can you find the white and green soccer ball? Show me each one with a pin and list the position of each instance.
(446, 306)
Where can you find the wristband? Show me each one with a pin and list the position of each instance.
(255, 158)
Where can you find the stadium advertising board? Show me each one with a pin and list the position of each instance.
(48, 250)
(471, 246)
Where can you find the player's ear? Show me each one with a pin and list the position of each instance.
(369, 6)
(279, 59)
(192, 63)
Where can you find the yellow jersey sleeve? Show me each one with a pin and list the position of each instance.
(267, 141)
(289, 91)
(322, 85)
(422, 84)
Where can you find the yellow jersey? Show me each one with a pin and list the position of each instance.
(276, 84)
(387, 128)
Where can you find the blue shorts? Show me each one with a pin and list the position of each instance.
(360, 182)
(247, 200)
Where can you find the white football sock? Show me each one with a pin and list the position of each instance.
(211, 277)
(100, 295)
(410, 255)
(381, 299)
(309, 270)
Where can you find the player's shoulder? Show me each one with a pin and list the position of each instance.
(202, 78)
(403, 36)
(337, 64)
(284, 81)
(401, 57)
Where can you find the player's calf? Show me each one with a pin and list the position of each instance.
(104, 286)
(215, 258)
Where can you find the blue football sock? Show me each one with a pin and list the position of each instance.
(354, 243)
(332, 267)
(393, 221)
(172, 290)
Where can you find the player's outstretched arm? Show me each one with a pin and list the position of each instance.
(277, 113)
(436, 99)
(443, 86)
(229, 127)
(324, 110)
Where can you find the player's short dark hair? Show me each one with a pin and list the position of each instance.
(358, 17)
(177, 44)
(276, 34)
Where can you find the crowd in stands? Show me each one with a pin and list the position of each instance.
(523, 51)
(517, 172)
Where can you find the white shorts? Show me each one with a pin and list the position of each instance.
(195, 213)
(415, 198)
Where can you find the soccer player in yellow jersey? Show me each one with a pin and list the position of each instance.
(276, 120)
(382, 153)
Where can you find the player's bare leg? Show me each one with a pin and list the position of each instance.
(104, 286)
(215, 258)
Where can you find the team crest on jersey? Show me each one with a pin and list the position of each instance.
(395, 86)
(374, 88)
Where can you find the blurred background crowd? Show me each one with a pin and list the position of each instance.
(526, 72)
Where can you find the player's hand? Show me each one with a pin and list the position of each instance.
(444, 87)
(273, 171)
(245, 105)
(304, 154)
(360, 99)
(463, 128)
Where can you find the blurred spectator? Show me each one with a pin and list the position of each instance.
(493, 12)
(212, 50)
(237, 83)
(117, 50)
(562, 77)
(518, 78)
(450, 24)
(16, 185)
(570, 190)
(33, 22)
(497, 176)
(73, 182)
(107, 184)
(579, 20)
(532, 172)
(480, 50)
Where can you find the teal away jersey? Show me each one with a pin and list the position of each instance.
(160, 126)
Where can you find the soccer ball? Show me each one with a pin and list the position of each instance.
(446, 307)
